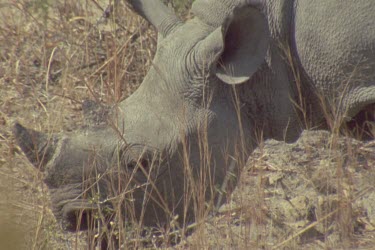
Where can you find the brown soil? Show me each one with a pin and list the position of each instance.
(317, 193)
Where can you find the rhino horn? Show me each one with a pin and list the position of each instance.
(37, 146)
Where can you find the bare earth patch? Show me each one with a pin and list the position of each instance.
(317, 193)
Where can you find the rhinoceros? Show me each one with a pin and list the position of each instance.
(236, 73)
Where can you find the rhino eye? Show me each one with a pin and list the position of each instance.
(141, 165)
(137, 157)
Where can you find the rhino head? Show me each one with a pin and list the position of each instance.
(180, 130)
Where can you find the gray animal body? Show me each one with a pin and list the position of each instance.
(237, 72)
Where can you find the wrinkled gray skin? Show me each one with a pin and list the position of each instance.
(152, 138)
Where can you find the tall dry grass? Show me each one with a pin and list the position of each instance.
(53, 55)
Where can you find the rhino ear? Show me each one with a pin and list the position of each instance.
(246, 41)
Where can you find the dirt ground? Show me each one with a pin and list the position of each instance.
(318, 193)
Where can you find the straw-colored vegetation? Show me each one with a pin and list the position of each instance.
(318, 193)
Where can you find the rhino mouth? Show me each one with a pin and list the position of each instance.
(73, 210)
(78, 215)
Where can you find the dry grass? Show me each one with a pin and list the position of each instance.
(55, 54)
